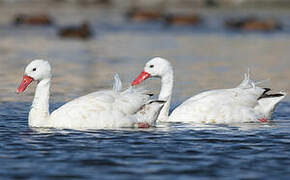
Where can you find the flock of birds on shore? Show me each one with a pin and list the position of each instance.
(84, 30)
(132, 107)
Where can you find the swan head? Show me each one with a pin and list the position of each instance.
(36, 70)
(156, 67)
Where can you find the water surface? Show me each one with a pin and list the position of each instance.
(169, 151)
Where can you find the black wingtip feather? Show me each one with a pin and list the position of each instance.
(265, 95)
(266, 90)
(158, 101)
(270, 95)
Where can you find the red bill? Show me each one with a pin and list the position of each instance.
(24, 83)
(142, 76)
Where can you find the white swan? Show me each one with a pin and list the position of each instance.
(245, 103)
(101, 109)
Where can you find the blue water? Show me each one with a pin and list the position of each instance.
(169, 151)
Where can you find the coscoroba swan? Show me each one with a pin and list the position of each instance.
(101, 109)
(244, 103)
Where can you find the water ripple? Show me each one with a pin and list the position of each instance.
(172, 150)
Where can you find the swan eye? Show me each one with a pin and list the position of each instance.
(151, 66)
(34, 69)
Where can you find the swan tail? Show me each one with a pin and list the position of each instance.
(268, 102)
(130, 100)
(149, 112)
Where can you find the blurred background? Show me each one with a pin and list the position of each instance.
(211, 43)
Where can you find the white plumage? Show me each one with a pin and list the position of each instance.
(245, 103)
(101, 109)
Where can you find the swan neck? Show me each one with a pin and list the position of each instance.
(39, 113)
(165, 94)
